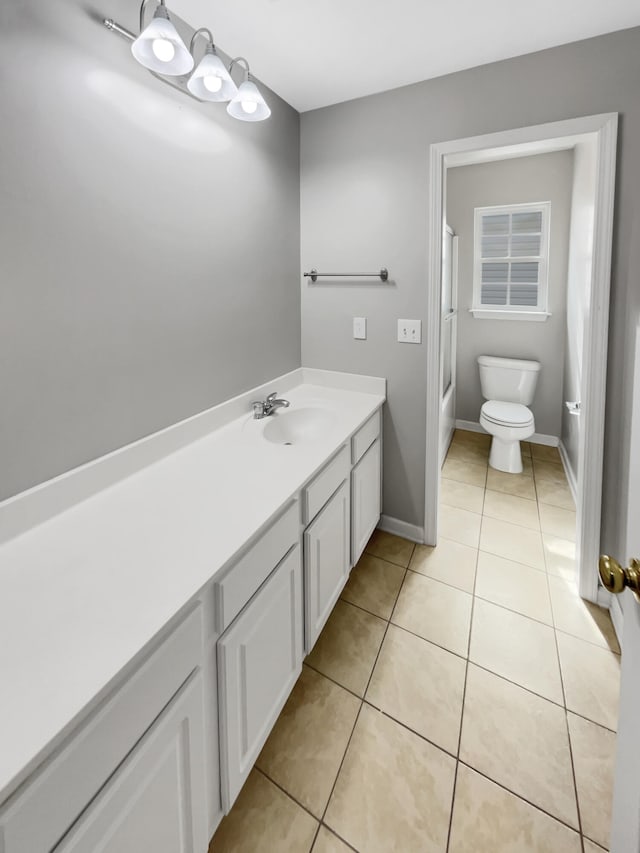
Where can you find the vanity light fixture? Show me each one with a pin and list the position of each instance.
(248, 104)
(160, 49)
(210, 80)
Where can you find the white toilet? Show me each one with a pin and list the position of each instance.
(508, 386)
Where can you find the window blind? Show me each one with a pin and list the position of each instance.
(511, 255)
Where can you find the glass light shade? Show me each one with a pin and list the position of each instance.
(159, 47)
(211, 81)
(248, 104)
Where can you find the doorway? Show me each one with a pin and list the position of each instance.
(600, 133)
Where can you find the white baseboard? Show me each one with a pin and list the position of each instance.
(470, 426)
(568, 470)
(536, 438)
(401, 528)
(617, 616)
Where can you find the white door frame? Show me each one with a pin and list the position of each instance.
(594, 372)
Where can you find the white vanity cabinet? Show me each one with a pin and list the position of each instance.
(366, 497)
(156, 799)
(259, 661)
(169, 732)
(134, 767)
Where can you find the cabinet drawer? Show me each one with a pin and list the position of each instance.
(259, 660)
(243, 578)
(56, 795)
(365, 437)
(320, 489)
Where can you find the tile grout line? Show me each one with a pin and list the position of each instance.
(520, 797)
(362, 702)
(564, 696)
(464, 698)
(287, 794)
(321, 821)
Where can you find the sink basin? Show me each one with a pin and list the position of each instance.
(296, 426)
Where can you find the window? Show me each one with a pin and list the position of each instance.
(510, 262)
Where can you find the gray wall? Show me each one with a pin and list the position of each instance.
(545, 177)
(149, 245)
(364, 204)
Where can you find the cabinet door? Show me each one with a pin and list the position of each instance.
(365, 500)
(156, 800)
(326, 562)
(259, 660)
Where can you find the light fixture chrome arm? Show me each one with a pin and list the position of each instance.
(197, 33)
(142, 8)
(236, 61)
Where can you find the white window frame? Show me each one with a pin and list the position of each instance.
(537, 313)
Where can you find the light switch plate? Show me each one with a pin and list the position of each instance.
(410, 331)
(360, 328)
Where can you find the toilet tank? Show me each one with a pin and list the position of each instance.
(511, 380)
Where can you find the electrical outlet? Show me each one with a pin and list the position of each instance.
(410, 331)
(360, 328)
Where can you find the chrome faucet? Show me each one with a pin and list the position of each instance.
(264, 408)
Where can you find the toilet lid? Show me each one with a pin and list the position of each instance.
(509, 414)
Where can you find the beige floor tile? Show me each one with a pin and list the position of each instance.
(394, 790)
(525, 448)
(521, 485)
(527, 465)
(449, 562)
(460, 525)
(590, 847)
(520, 740)
(594, 751)
(470, 453)
(461, 495)
(591, 677)
(347, 647)
(558, 522)
(512, 508)
(421, 685)
(555, 494)
(512, 542)
(517, 648)
(392, 548)
(454, 469)
(549, 472)
(373, 585)
(513, 585)
(435, 611)
(488, 819)
(262, 820)
(582, 619)
(327, 842)
(545, 453)
(480, 439)
(560, 557)
(307, 744)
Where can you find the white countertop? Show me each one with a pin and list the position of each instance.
(82, 593)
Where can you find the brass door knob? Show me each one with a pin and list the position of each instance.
(615, 578)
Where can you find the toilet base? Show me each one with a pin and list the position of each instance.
(505, 455)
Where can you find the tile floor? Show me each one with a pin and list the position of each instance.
(460, 698)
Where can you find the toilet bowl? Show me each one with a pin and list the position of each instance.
(508, 385)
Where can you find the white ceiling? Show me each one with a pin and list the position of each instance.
(318, 53)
